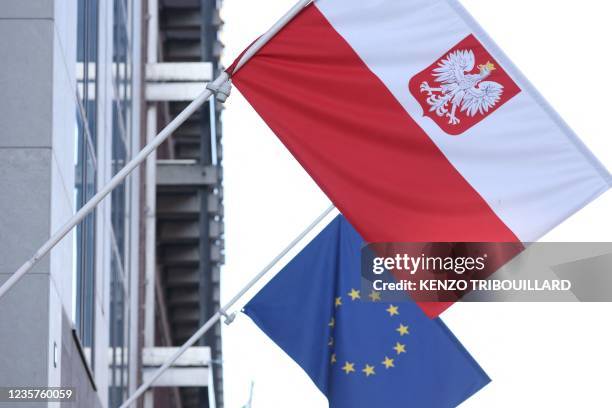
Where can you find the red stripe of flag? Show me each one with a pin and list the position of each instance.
(364, 151)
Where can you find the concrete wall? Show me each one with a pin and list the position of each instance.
(37, 128)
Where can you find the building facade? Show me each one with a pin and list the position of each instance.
(85, 84)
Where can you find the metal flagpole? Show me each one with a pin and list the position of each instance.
(114, 182)
(212, 88)
(223, 311)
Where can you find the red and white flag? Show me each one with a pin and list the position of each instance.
(417, 126)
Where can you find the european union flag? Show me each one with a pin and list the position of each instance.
(360, 354)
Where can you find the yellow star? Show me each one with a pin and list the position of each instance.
(338, 302)
(332, 322)
(348, 367)
(388, 363)
(374, 296)
(354, 294)
(393, 310)
(402, 330)
(399, 348)
(368, 370)
(330, 342)
(333, 358)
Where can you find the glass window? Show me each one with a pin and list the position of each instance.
(118, 327)
(121, 137)
(119, 295)
(85, 180)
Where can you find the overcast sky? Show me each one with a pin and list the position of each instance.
(552, 354)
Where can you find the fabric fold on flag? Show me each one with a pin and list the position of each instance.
(360, 353)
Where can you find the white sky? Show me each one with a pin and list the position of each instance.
(537, 354)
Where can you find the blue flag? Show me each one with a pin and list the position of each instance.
(360, 354)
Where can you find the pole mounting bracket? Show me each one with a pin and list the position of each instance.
(222, 91)
(229, 318)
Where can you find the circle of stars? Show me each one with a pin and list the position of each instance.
(387, 363)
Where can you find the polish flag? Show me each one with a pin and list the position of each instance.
(417, 126)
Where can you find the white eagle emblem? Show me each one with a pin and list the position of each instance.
(469, 92)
